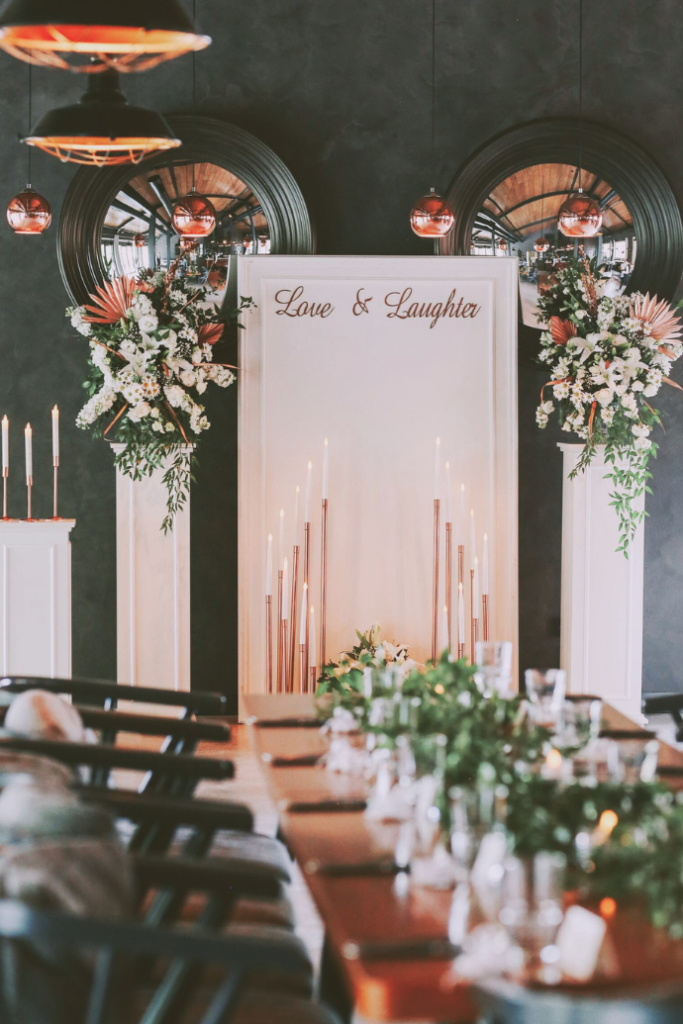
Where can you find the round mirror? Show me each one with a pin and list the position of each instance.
(118, 220)
(520, 215)
(138, 229)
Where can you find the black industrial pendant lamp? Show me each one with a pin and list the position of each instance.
(102, 129)
(29, 213)
(580, 215)
(94, 35)
(432, 217)
(193, 216)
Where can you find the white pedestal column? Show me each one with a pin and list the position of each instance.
(153, 586)
(601, 644)
(35, 597)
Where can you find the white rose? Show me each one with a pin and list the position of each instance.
(148, 322)
(188, 378)
(650, 390)
(604, 397)
(139, 411)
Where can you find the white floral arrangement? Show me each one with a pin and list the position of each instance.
(607, 357)
(151, 357)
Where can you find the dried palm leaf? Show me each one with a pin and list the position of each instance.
(112, 302)
(209, 334)
(562, 330)
(664, 324)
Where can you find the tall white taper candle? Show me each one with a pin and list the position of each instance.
(437, 468)
(448, 518)
(485, 566)
(269, 567)
(304, 616)
(5, 443)
(28, 440)
(326, 470)
(461, 616)
(285, 602)
(55, 432)
(312, 653)
(281, 541)
(307, 508)
(473, 540)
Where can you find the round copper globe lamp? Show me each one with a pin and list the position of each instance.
(102, 129)
(579, 216)
(193, 216)
(93, 35)
(502, 245)
(541, 244)
(139, 241)
(431, 217)
(29, 213)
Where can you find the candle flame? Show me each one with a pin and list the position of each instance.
(282, 513)
(476, 560)
(326, 442)
(297, 488)
(472, 512)
(608, 907)
(55, 408)
(460, 587)
(305, 586)
(554, 759)
(438, 442)
(445, 608)
(462, 488)
(448, 465)
(285, 563)
(486, 536)
(608, 822)
(28, 429)
(270, 536)
(310, 464)
(5, 420)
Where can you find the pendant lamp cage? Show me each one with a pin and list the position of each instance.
(91, 37)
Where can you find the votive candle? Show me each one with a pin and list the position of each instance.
(28, 440)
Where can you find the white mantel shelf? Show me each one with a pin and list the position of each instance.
(35, 597)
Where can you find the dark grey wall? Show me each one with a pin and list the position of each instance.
(341, 92)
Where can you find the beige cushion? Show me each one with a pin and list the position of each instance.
(39, 715)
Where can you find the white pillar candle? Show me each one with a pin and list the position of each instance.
(326, 470)
(473, 540)
(307, 510)
(485, 566)
(5, 443)
(28, 439)
(312, 653)
(304, 616)
(437, 468)
(444, 629)
(476, 611)
(461, 615)
(285, 601)
(447, 496)
(461, 516)
(281, 541)
(269, 567)
(55, 432)
(296, 516)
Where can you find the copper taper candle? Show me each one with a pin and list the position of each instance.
(435, 581)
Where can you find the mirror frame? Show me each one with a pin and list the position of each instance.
(91, 192)
(613, 157)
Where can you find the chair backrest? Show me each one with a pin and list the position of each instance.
(98, 692)
(33, 943)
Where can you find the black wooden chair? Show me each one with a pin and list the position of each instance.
(503, 1002)
(145, 975)
(671, 705)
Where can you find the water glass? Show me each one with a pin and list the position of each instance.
(494, 665)
(546, 690)
(475, 810)
(533, 900)
(580, 720)
(632, 756)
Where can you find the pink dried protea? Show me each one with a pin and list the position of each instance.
(664, 324)
(562, 330)
(112, 302)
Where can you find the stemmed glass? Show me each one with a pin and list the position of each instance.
(532, 910)
(494, 665)
(546, 691)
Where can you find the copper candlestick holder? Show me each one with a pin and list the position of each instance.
(312, 678)
(5, 475)
(292, 618)
(307, 581)
(323, 587)
(435, 581)
(55, 475)
(280, 648)
(461, 564)
(449, 581)
(303, 688)
(269, 643)
(461, 651)
(29, 488)
(485, 616)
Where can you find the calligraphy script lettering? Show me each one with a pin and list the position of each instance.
(293, 304)
(403, 309)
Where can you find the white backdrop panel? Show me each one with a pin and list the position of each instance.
(381, 386)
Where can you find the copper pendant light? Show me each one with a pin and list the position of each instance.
(102, 129)
(580, 216)
(432, 216)
(503, 245)
(92, 35)
(541, 244)
(193, 216)
(29, 213)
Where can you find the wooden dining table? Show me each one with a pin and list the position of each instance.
(371, 919)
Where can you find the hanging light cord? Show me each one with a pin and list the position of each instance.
(30, 117)
(194, 99)
(580, 90)
(433, 92)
